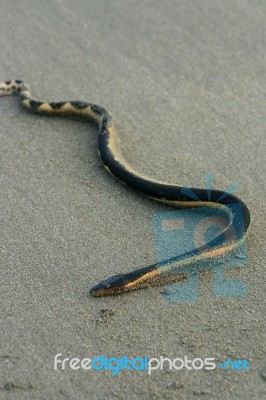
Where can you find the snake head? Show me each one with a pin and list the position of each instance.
(113, 285)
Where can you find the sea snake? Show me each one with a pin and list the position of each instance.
(173, 195)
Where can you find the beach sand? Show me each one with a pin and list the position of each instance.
(186, 83)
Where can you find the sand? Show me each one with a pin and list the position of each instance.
(186, 83)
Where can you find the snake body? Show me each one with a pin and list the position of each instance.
(170, 194)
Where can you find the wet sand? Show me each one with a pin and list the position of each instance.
(186, 83)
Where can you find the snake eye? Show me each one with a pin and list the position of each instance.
(115, 280)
